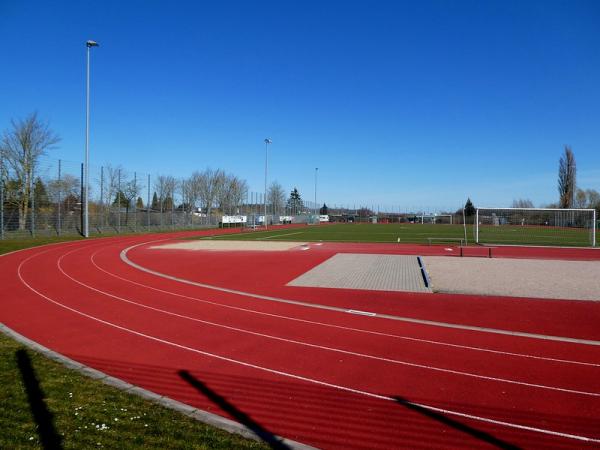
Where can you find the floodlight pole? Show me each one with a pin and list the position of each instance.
(267, 142)
(86, 231)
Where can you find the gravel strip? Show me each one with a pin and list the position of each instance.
(219, 245)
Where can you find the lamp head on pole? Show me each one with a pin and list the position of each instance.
(92, 44)
(268, 141)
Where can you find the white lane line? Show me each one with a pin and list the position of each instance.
(361, 313)
(125, 259)
(301, 378)
(278, 235)
(320, 347)
(340, 327)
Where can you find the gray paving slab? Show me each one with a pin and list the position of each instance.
(366, 272)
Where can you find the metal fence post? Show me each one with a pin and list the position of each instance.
(135, 201)
(148, 205)
(102, 212)
(1, 196)
(81, 202)
(59, 198)
(32, 197)
(118, 200)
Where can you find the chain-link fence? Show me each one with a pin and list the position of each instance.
(47, 201)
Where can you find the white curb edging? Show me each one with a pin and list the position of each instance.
(195, 413)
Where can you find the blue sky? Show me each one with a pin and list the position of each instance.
(415, 104)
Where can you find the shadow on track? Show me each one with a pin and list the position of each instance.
(477, 434)
(240, 416)
(42, 416)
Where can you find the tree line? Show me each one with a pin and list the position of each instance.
(27, 140)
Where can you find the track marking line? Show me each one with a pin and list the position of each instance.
(362, 313)
(278, 235)
(332, 349)
(301, 378)
(341, 327)
(125, 259)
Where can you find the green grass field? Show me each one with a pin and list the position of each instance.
(420, 234)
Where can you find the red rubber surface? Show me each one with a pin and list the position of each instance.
(325, 378)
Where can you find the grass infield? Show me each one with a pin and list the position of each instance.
(420, 234)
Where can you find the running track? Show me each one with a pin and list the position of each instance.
(295, 362)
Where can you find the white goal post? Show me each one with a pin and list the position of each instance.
(536, 226)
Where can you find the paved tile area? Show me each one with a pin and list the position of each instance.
(367, 272)
(534, 278)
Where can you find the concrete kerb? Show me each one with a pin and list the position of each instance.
(197, 414)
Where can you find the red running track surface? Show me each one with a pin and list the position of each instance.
(323, 377)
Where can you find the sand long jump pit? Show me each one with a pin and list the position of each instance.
(550, 279)
(230, 246)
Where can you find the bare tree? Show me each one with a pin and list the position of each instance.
(276, 197)
(581, 200)
(164, 187)
(169, 199)
(114, 177)
(184, 187)
(22, 147)
(593, 199)
(522, 203)
(208, 184)
(192, 190)
(130, 190)
(238, 192)
(230, 192)
(67, 186)
(567, 171)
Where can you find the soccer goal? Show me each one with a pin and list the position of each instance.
(535, 226)
(434, 219)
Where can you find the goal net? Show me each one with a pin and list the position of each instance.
(535, 226)
(434, 219)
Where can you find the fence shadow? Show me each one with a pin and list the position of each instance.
(49, 438)
(474, 432)
(240, 416)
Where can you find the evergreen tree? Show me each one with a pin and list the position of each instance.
(469, 208)
(139, 204)
(40, 194)
(168, 203)
(121, 200)
(155, 205)
(324, 210)
(294, 203)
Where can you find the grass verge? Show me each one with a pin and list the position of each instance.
(85, 413)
